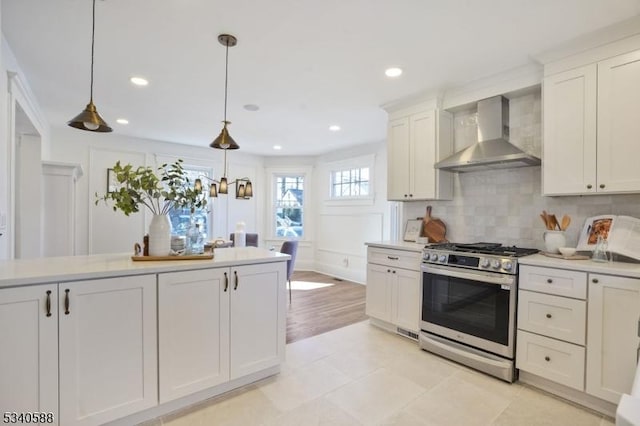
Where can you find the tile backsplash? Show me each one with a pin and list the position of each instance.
(504, 205)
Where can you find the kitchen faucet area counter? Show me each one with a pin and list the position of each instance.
(71, 268)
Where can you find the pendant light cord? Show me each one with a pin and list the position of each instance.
(93, 37)
(226, 77)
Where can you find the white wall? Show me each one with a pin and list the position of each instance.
(99, 229)
(5, 164)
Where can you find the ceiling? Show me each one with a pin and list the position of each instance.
(307, 64)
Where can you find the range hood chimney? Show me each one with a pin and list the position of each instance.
(493, 150)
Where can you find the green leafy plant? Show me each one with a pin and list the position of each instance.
(142, 187)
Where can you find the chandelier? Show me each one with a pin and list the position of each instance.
(89, 119)
(224, 141)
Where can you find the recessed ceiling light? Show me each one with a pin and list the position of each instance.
(122, 121)
(393, 72)
(251, 107)
(139, 81)
(277, 147)
(334, 128)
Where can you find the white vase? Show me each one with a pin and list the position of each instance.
(160, 235)
(553, 240)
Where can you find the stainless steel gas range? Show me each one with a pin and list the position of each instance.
(469, 304)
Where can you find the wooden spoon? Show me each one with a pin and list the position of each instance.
(554, 222)
(545, 217)
(566, 220)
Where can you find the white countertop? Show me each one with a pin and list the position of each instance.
(71, 268)
(398, 245)
(611, 268)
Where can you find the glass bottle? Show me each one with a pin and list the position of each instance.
(600, 252)
(197, 241)
(192, 236)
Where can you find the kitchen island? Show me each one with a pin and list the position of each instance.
(103, 339)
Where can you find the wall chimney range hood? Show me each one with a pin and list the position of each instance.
(493, 150)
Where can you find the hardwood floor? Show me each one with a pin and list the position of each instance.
(321, 303)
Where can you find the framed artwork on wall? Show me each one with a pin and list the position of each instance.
(112, 182)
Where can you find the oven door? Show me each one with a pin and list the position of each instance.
(476, 308)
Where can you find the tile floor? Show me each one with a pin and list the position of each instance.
(361, 375)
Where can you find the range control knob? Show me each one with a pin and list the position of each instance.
(496, 264)
(433, 257)
(484, 263)
(443, 258)
(507, 265)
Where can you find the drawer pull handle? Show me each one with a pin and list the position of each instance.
(548, 315)
(595, 281)
(66, 302)
(392, 257)
(546, 358)
(226, 281)
(235, 287)
(48, 303)
(549, 280)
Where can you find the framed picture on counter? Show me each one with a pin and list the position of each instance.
(412, 229)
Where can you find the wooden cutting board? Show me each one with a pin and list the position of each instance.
(432, 228)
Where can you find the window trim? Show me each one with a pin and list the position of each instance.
(307, 226)
(352, 163)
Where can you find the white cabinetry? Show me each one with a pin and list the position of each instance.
(29, 359)
(590, 128)
(551, 327)
(612, 337)
(418, 138)
(393, 287)
(193, 338)
(108, 349)
(218, 325)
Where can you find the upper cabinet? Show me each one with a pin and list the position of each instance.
(591, 128)
(418, 138)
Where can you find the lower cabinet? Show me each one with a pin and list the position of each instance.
(193, 324)
(612, 335)
(29, 358)
(393, 293)
(217, 325)
(108, 348)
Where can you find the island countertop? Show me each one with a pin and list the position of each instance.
(41, 270)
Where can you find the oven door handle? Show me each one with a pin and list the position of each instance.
(481, 276)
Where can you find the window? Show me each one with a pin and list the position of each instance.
(350, 183)
(289, 205)
(181, 217)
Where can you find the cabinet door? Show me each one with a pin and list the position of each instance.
(378, 292)
(29, 358)
(612, 335)
(405, 311)
(108, 349)
(193, 331)
(398, 157)
(618, 123)
(569, 143)
(258, 317)
(422, 156)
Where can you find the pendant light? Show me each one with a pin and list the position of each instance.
(224, 141)
(89, 119)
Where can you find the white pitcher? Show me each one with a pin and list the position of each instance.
(553, 240)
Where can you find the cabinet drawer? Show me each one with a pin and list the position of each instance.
(554, 281)
(552, 359)
(396, 258)
(553, 316)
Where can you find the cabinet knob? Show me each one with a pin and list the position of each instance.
(595, 281)
(549, 280)
(549, 315)
(410, 195)
(405, 195)
(546, 358)
(388, 270)
(393, 272)
(602, 186)
(589, 186)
